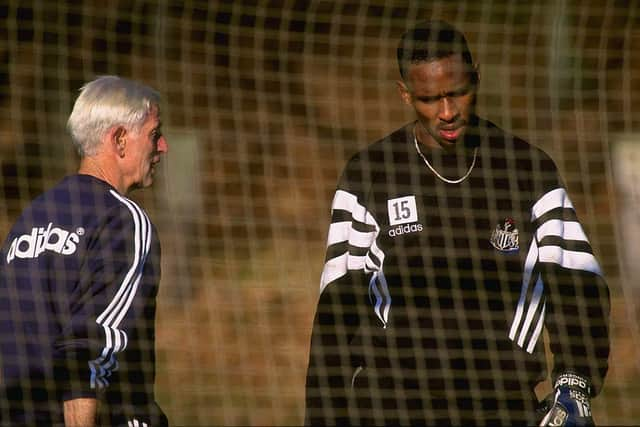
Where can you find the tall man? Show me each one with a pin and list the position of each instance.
(452, 245)
(79, 274)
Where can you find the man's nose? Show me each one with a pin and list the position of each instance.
(448, 109)
(163, 146)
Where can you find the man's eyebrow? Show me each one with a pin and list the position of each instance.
(429, 97)
(460, 91)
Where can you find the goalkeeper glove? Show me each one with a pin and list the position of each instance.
(569, 405)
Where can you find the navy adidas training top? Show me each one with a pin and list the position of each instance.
(79, 274)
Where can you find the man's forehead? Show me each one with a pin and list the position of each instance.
(447, 74)
(448, 65)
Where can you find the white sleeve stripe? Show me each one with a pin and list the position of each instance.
(342, 232)
(568, 230)
(537, 331)
(356, 262)
(370, 265)
(532, 257)
(142, 238)
(376, 251)
(530, 263)
(553, 199)
(348, 202)
(570, 259)
(333, 269)
(531, 312)
(338, 232)
(111, 317)
(339, 266)
(132, 293)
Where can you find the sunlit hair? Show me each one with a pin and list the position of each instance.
(432, 40)
(107, 102)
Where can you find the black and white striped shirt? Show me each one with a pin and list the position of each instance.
(434, 295)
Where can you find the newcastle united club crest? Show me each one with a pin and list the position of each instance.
(505, 236)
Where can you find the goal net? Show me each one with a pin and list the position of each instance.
(264, 103)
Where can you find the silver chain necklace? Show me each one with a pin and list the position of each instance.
(448, 181)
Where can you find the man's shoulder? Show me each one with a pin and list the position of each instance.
(501, 138)
(85, 199)
(396, 139)
(380, 150)
(531, 164)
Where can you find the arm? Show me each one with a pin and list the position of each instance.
(329, 361)
(80, 412)
(577, 301)
(343, 290)
(95, 332)
(577, 295)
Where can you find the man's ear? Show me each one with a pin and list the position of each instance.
(404, 92)
(118, 139)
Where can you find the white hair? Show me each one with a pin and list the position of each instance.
(107, 102)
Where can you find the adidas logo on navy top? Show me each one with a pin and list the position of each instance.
(42, 239)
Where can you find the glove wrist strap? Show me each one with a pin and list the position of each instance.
(573, 382)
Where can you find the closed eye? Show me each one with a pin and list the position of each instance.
(463, 91)
(155, 135)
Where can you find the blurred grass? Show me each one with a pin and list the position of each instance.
(236, 352)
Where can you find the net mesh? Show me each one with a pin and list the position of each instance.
(265, 101)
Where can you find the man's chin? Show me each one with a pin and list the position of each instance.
(447, 144)
(451, 140)
(140, 185)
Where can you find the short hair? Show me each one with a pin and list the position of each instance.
(104, 103)
(430, 41)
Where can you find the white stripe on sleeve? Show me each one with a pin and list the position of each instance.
(333, 270)
(111, 317)
(538, 330)
(343, 231)
(531, 311)
(344, 200)
(529, 265)
(553, 199)
(570, 259)
(568, 230)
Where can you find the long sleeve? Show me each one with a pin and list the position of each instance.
(81, 287)
(578, 296)
(565, 291)
(351, 265)
(107, 293)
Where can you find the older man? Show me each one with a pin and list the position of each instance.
(79, 274)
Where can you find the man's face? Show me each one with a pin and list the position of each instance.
(144, 149)
(443, 96)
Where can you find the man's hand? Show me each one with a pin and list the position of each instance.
(80, 412)
(569, 405)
